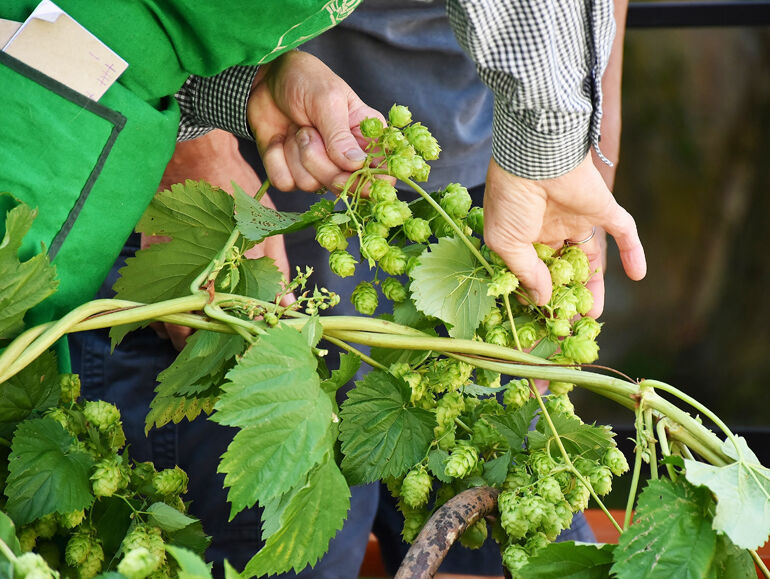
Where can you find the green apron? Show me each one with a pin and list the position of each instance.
(92, 168)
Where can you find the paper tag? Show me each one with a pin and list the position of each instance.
(52, 42)
(7, 29)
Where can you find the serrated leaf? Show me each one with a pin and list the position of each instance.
(34, 389)
(259, 279)
(168, 518)
(192, 538)
(437, 465)
(111, 518)
(313, 331)
(382, 435)
(569, 561)
(348, 367)
(199, 219)
(274, 395)
(732, 561)
(579, 439)
(23, 285)
(201, 363)
(450, 284)
(165, 409)
(742, 491)
(191, 566)
(230, 571)
(8, 536)
(307, 521)
(45, 474)
(671, 535)
(256, 222)
(545, 348)
(481, 391)
(495, 470)
(514, 425)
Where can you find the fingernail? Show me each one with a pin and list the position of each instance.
(302, 138)
(534, 296)
(355, 155)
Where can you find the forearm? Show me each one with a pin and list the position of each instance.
(611, 103)
(544, 62)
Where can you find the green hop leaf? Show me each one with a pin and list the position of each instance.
(382, 435)
(741, 490)
(46, 473)
(448, 284)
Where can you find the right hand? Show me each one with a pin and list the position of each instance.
(519, 212)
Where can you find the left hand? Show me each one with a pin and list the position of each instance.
(519, 212)
(305, 119)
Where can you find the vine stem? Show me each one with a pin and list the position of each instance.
(440, 210)
(634, 485)
(345, 346)
(6, 550)
(665, 451)
(760, 563)
(566, 457)
(195, 286)
(649, 433)
(698, 406)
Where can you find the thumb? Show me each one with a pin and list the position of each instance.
(333, 124)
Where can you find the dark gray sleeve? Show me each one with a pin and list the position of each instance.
(544, 60)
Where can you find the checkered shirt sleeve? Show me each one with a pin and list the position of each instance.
(216, 102)
(544, 62)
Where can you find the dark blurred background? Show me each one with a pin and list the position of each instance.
(694, 173)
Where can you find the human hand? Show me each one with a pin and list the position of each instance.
(305, 119)
(519, 212)
(214, 158)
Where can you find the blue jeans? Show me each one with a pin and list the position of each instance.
(127, 378)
